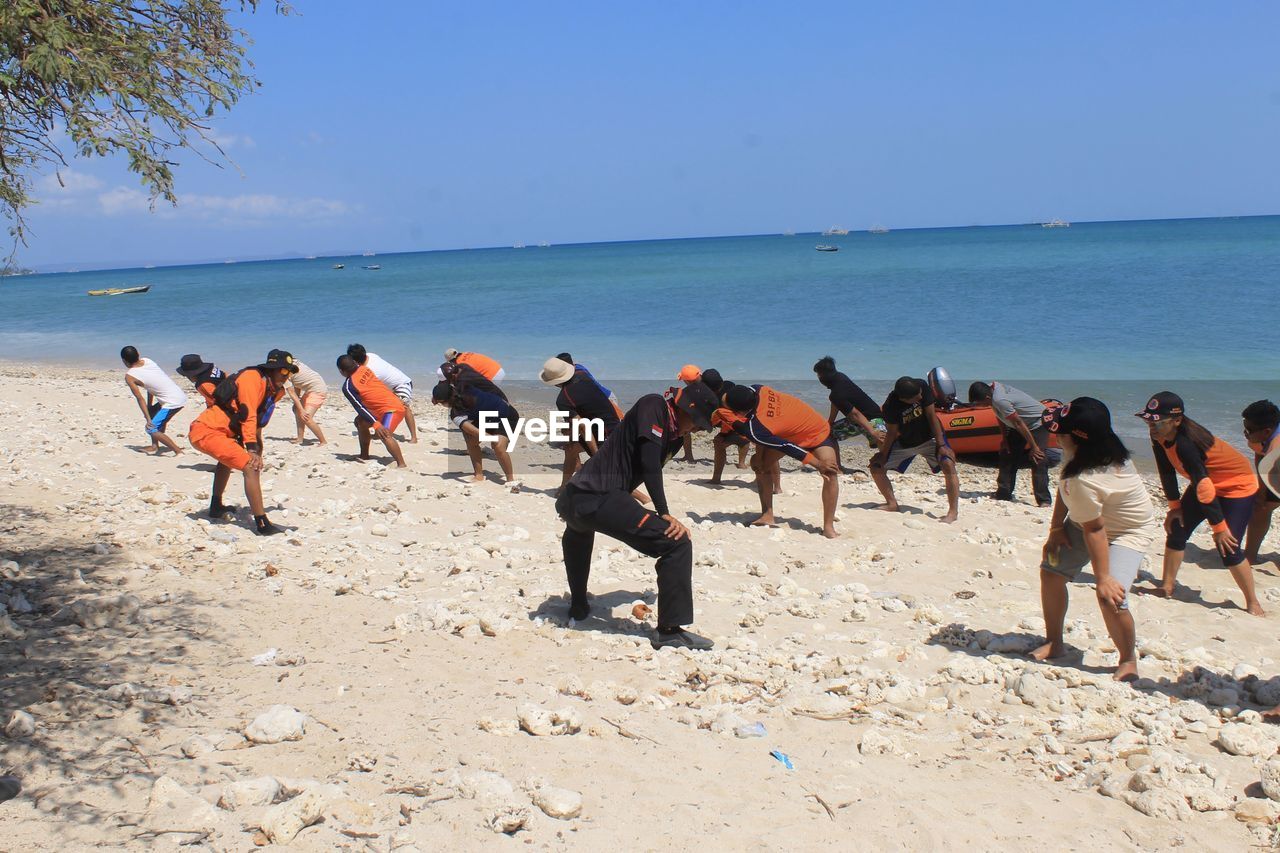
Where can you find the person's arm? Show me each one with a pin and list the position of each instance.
(890, 436)
(353, 397)
(651, 475)
(1168, 476)
(251, 395)
(939, 439)
(831, 417)
(1205, 491)
(861, 420)
(1095, 542)
(136, 387)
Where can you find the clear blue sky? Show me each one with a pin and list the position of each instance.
(419, 125)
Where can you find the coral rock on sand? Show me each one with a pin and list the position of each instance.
(20, 725)
(283, 822)
(877, 742)
(8, 630)
(106, 611)
(1271, 778)
(1242, 739)
(539, 721)
(559, 803)
(262, 791)
(508, 819)
(278, 723)
(173, 808)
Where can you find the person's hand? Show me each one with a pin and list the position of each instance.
(1227, 542)
(1036, 453)
(1174, 515)
(945, 452)
(255, 462)
(826, 468)
(1056, 542)
(675, 530)
(380, 431)
(1110, 591)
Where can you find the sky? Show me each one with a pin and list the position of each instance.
(405, 126)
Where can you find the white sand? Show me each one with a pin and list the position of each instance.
(384, 645)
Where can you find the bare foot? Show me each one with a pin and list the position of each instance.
(949, 518)
(401, 465)
(891, 506)
(297, 440)
(830, 533)
(1255, 609)
(1049, 651)
(1156, 591)
(477, 478)
(1126, 671)
(413, 440)
(742, 466)
(322, 443)
(765, 520)
(1273, 715)
(150, 450)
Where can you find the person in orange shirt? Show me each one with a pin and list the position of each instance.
(229, 431)
(378, 410)
(782, 425)
(1222, 490)
(482, 364)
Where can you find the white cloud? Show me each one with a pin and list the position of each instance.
(227, 141)
(71, 183)
(118, 200)
(225, 209)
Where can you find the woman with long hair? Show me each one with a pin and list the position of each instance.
(1221, 489)
(1102, 518)
(476, 412)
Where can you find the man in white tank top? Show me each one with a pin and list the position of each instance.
(163, 398)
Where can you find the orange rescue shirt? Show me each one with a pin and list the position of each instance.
(482, 364)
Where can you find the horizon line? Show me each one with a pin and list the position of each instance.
(282, 258)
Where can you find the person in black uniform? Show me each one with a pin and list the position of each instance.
(598, 499)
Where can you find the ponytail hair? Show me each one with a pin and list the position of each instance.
(1199, 435)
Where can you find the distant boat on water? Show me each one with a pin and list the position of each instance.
(544, 244)
(788, 233)
(823, 247)
(120, 291)
(339, 266)
(368, 254)
(518, 246)
(373, 266)
(1056, 223)
(835, 231)
(878, 229)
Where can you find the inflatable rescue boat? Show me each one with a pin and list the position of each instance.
(968, 427)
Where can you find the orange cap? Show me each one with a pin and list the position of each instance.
(689, 373)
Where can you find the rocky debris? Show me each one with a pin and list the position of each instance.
(541, 722)
(508, 819)
(362, 762)
(1160, 803)
(877, 742)
(501, 726)
(196, 747)
(1253, 810)
(277, 723)
(282, 823)
(246, 793)
(173, 808)
(8, 630)
(1271, 778)
(109, 611)
(1242, 739)
(20, 725)
(559, 803)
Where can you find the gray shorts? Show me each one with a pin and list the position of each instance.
(1074, 557)
(900, 457)
(404, 392)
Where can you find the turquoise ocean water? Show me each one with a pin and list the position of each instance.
(1132, 305)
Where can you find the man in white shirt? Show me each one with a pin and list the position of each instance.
(163, 398)
(395, 379)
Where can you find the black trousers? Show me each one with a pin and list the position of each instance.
(1014, 456)
(622, 517)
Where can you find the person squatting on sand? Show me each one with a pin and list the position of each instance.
(1022, 438)
(203, 375)
(723, 439)
(468, 408)
(848, 398)
(782, 425)
(599, 500)
(1222, 488)
(308, 392)
(584, 400)
(1262, 431)
(230, 432)
(378, 410)
(394, 378)
(158, 396)
(1102, 518)
(912, 429)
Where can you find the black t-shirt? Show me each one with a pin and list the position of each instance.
(617, 465)
(847, 395)
(582, 397)
(914, 428)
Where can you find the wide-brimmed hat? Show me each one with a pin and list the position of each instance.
(279, 359)
(192, 365)
(556, 371)
(1166, 404)
(450, 354)
(1269, 471)
(698, 401)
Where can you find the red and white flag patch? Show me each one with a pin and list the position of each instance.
(656, 430)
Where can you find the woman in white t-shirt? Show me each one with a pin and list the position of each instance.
(308, 392)
(1103, 518)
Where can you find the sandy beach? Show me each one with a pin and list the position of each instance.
(396, 673)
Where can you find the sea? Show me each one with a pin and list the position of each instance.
(1117, 310)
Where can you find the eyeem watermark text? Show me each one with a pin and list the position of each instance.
(560, 427)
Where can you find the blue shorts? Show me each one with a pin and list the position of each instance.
(160, 417)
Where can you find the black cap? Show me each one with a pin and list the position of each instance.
(277, 359)
(742, 398)
(711, 378)
(698, 401)
(1084, 417)
(1166, 404)
(192, 365)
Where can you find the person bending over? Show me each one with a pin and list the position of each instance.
(204, 375)
(912, 429)
(584, 400)
(378, 409)
(308, 391)
(1262, 431)
(1022, 438)
(158, 396)
(848, 398)
(394, 378)
(470, 409)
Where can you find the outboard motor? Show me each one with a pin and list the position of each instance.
(943, 388)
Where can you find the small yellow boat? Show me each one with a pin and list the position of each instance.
(120, 291)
